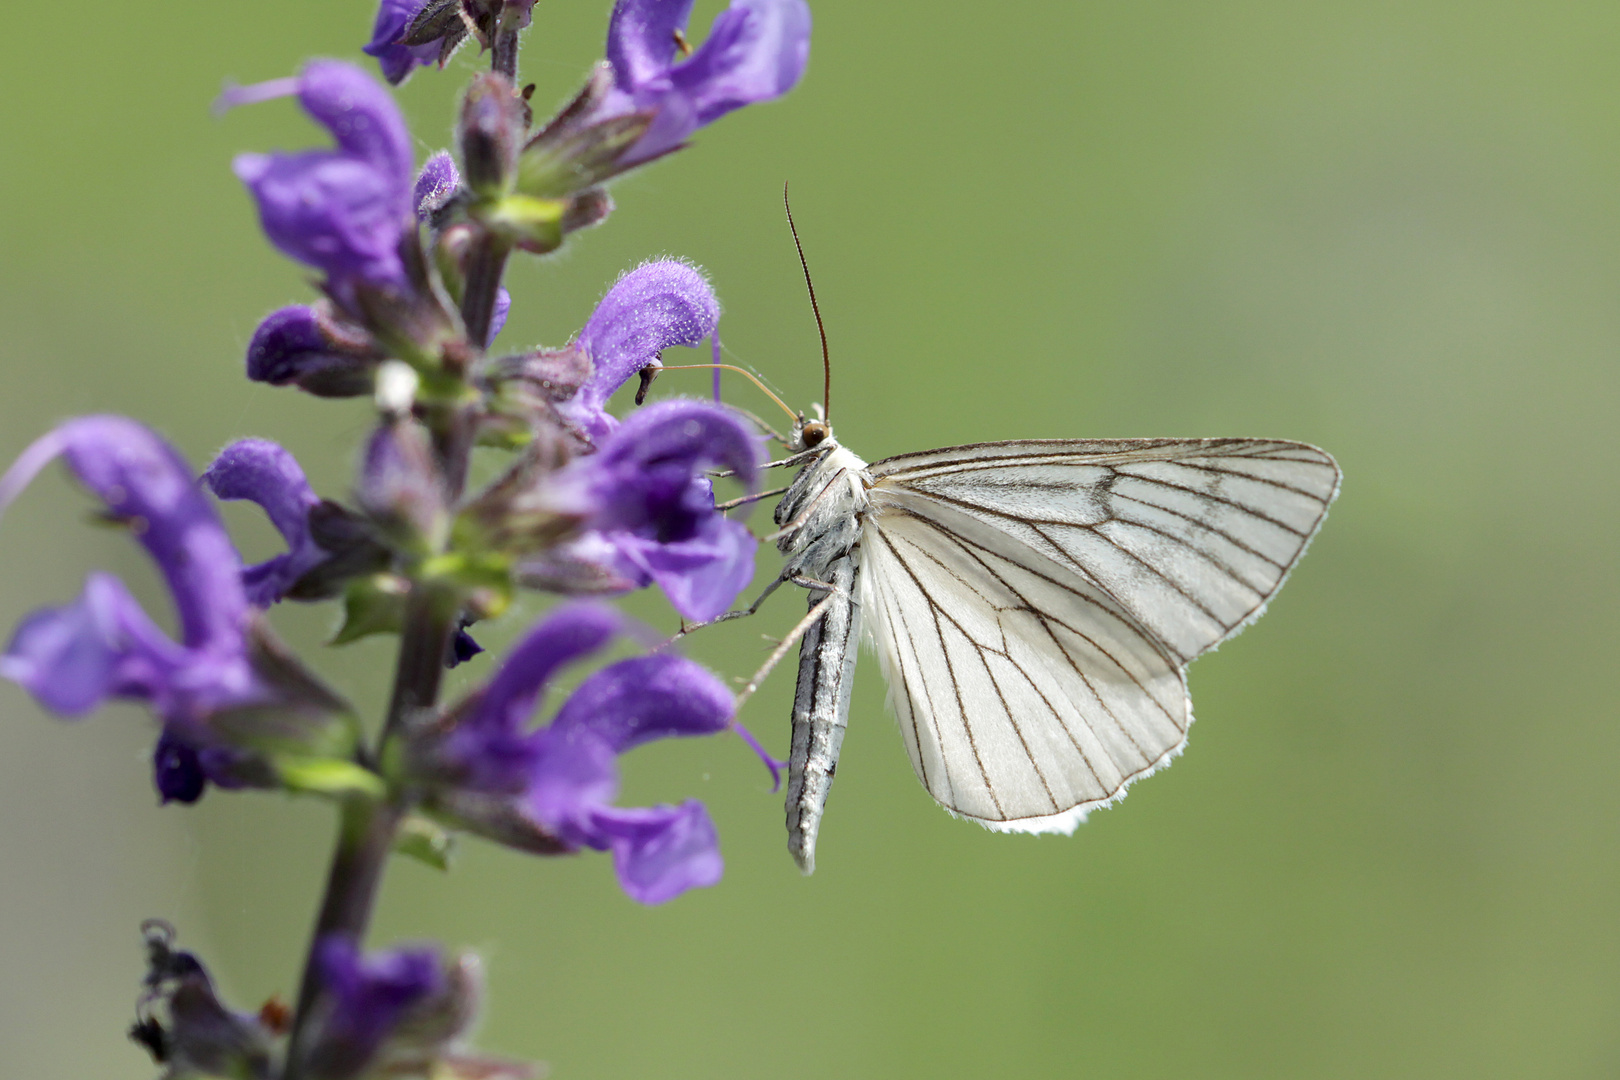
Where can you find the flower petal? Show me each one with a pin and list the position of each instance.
(343, 211)
(492, 749)
(644, 698)
(74, 657)
(618, 708)
(262, 472)
(397, 61)
(145, 483)
(651, 308)
(569, 633)
(756, 50)
(641, 38)
(655, 512)
(701, 575)
(290, 346)
(660, 852)
(640, 472)
(362, 117)
(331, 211)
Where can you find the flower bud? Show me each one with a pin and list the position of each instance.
(494, 121)
(400, 487)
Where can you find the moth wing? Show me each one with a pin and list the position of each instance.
(1025, 693)
(1191, 537)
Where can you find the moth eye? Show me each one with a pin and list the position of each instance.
(813, 434)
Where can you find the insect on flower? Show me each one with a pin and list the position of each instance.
(1034, 604)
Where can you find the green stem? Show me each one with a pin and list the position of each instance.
(503, 57)
(365, 838)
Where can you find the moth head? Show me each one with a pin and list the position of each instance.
(809, 434)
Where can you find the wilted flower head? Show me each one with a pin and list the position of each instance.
(184, 1025)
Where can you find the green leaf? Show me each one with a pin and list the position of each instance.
(329, 776)
(534, 223)
(426, 842)
(372, 605)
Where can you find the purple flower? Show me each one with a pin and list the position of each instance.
(103, 644)
(296, 345)
(343, 211)
(262, 472)
(73, 657)
(563, 777)
(756, 50)
(652, 516)
(397, 61)
(372, 997)
(649, 309)
(436, 184)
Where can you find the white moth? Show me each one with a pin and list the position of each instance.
(1034, 606)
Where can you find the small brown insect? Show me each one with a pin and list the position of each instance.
(276, 1015)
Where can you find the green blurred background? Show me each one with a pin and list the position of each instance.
(1392, 229)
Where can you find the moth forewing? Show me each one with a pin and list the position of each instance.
(1191, 536)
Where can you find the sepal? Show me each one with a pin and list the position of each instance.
(299, 720)
(372, 605)
(332, 777)
(354, 551)
(426, 841)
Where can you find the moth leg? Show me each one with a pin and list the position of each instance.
(743, 500)
(810, 508)
(795, 459)
(740, 613)
(788, 642)
(811, 583)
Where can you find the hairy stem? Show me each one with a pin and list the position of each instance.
(429, 621)
(365, 837)
(503, 57)
(367, 828)
(366, 832)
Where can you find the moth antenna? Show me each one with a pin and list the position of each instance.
(749, 375)
(826, 363)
